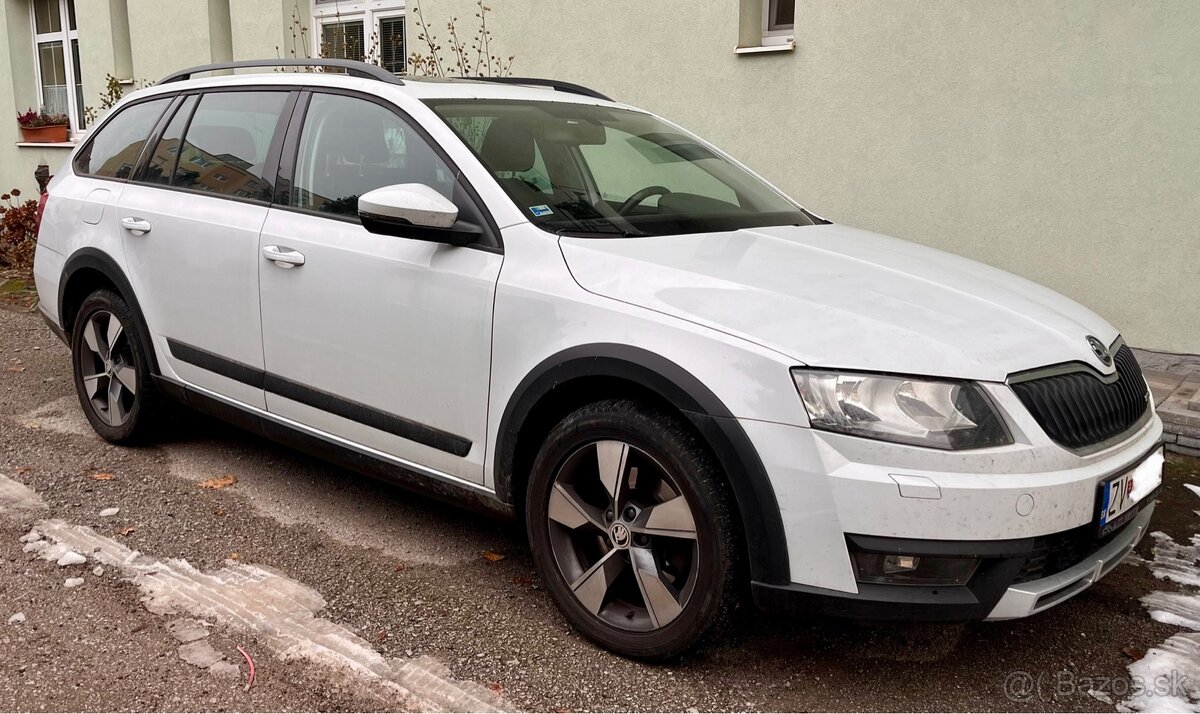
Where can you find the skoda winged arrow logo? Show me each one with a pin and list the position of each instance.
(1100, 350)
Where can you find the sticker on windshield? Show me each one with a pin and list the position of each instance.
(542, 210)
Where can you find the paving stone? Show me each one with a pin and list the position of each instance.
(200, 653)
(1188, 442)
(1162, 384)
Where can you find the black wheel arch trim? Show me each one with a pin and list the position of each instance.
(762, 523)
(103, 263)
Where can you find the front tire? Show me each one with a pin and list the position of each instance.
(631, 528)
(112, 374)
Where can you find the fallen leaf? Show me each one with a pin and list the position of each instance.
(400, 568)
(23, 470)
(493, 556)
(381, 636)
(218, 512)
(219, 482)
(234, 556)
(496, 687)
(127, 531)
(1133, 653)
(15, 368)
(103, 477)
(522, 581)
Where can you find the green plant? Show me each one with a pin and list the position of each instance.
(18, 230)
(34, 120)
(108, 99)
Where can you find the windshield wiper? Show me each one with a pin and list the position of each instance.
(580, 233)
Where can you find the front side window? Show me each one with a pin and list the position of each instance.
(224, 150)
(56, 50)
(114, 150)
(579, 168)
(349, 146)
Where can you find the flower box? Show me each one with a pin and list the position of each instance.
(54, 133)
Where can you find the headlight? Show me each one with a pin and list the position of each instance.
(944, 415)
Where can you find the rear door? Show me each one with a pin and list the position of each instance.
(190, 221)
(382, 340)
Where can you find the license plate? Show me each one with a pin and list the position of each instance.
(1121, 496)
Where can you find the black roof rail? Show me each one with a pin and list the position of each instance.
(352, 68)
(552, 83)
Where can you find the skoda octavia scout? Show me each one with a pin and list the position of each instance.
(527, 298)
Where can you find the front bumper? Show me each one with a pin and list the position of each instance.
(994, 593)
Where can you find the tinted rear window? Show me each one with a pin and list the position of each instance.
(115, 148)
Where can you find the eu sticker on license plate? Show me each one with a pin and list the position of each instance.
(1122, 495)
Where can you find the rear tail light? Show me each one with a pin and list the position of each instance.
(37, 223)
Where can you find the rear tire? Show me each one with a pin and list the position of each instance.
(631, 526)
(111, 369)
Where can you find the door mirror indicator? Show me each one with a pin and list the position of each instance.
(417, 211)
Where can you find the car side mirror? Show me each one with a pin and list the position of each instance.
(417, 211)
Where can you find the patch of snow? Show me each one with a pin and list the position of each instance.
(1193, 488)
(1167, 679)
(17, 618)
(16, 497)
(71, 558)
(281, 612)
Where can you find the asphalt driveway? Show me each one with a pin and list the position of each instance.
(353, 595)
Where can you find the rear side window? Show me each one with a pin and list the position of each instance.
(164, 160)
(225, 148)
(350, 146)
(114, 150)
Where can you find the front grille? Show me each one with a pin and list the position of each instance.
(1077, 409)
(1057, 552)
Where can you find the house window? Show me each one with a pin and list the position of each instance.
(371, 31)
(56, 49)
(779, 17)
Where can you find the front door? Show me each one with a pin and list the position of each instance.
(190, 222)
(380, 340)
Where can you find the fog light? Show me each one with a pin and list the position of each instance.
(900, 564)
(913, 569)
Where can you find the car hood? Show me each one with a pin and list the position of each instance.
(839, 297)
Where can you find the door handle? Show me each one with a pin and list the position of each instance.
(136, 226)
(283, 257)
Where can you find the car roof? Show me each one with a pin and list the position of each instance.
(420, 88)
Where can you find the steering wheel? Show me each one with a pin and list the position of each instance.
(639, 196)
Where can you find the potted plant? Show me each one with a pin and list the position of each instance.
(42, 127)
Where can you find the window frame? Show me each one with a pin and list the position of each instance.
(290, 153)
(65, 35)
(369, 12)
(151, 138)
(270, 165)
(781, 35)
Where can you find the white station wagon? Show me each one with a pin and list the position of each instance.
(524, 297)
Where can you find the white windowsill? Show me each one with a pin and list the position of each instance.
(49, 144)
(785, 47)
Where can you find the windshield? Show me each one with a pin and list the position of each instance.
(584, 169)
